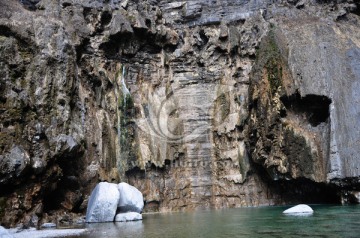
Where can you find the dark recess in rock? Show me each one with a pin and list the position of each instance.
(82, 48)
(314, 107)
(29, 4)
(66, 4)
(71, 167)
(203, 37)
(357, 9)
(306, 191)
(301, 190)
(105, 18)
(148, 23)
(111, 47)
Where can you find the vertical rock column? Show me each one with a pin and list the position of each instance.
(196, 100)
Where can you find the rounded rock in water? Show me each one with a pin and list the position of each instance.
(128, 216)
(103, 203)
(300, 209)
(131, 199)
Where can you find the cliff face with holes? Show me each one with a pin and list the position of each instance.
(199, 104)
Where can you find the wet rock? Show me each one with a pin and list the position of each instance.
(103, 203)
(128, 216)
(131, 199)
(80, 221)
(355, 197)
(350, 197)
(299, 209)
(48, 225)
(65, 220)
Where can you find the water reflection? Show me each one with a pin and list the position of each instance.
(116, 229)
(327, 221)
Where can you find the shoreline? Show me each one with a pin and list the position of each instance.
(45, 233)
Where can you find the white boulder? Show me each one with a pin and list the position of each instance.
(300, 209)
(103, 203)
(131, 199)
(128, 216)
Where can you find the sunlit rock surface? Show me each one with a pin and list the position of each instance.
(131, 199)
(299, 209)
(103, 203)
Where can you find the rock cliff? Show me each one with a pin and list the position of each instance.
(199, 104)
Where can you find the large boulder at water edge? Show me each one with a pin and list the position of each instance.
(131, 199)
(103, 203)
(300, 209)
(4, 233)
(128, 216)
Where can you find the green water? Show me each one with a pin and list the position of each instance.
(327, 221)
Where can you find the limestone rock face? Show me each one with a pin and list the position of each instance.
(334, 109)
(14, 164)
(299, 209)
(131, 199)
(300, 111)
(128, 216)
(198, 104)
(103, 203)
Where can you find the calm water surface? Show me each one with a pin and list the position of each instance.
(327, 221)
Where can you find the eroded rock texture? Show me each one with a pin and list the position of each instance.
(302, 121)
(198, 104)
